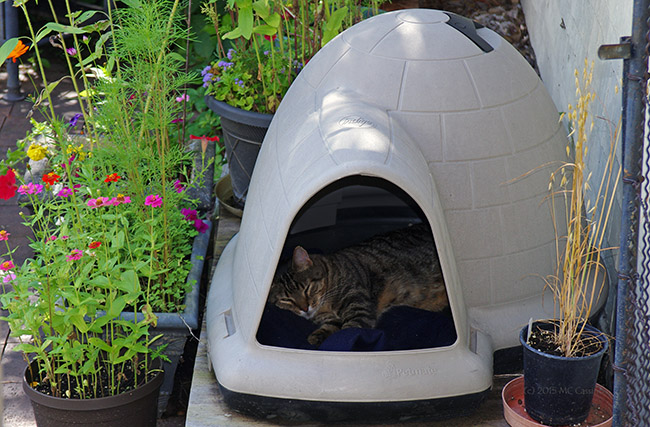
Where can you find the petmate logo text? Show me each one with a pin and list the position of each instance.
(355, 122)
(392, 371)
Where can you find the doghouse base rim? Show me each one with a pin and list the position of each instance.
(298, 410)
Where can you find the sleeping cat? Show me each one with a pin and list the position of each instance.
(355, 285)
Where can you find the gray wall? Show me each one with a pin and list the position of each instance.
(564, 33)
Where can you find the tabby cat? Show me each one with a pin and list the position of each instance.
(355, 285)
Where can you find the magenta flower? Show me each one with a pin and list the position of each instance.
(64, 237)
(178, 186)
(7, 265)
(200, 226)
(8, 277)
(30, 188)
(4, 235)
(189, 214)
(71, 51)
(121, 198)
(52, 238)
(74, 255)
(98, 202)
(153, 200)
(65, 192)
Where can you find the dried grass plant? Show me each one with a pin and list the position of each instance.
(578, 282)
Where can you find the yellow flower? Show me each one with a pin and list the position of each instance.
(36, 152)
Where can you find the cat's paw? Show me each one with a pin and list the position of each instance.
(318, 336)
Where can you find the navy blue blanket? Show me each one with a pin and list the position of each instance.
(400, 328)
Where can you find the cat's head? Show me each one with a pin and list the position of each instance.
(301, 288)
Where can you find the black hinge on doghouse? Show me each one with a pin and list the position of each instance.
(631, 389)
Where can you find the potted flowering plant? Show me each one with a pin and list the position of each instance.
(114, 269)
(262, 46)
(562, 356)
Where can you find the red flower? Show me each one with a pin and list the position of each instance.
(8, 185)
(50, 178)
(269, 37)
(204, 141)
(207, 138)
(112, 177)
(95, 245)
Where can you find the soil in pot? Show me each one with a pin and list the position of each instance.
(544, 341)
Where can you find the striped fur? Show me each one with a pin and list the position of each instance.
(354, 286)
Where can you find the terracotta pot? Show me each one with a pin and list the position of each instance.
(138, 407)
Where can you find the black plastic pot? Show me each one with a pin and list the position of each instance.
(243, 133)
(138, 407)
(559, 390)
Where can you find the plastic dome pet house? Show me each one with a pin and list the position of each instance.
(410, 116)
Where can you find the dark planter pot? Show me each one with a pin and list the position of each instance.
(176, 328)
(559, 390)
(137, 407)
(243, 133)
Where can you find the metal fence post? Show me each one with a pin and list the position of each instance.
(634, 102)
(10, 26)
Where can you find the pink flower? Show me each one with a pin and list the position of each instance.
(189, 214)
(8, 277)
(65, 192)
(98, 202)
(200, 226)
(184, 97)
(30, 188)
(178, 186)
(71, 51)
(52, 238)
(74, 255)
(7, 265)
(4, 235)
(153, 200)
(121, 198)
(64, 237)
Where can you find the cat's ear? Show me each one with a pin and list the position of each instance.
(301, 260)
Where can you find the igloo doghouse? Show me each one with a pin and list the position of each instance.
(410, 116)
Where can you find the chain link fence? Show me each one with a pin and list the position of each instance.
(632, 358)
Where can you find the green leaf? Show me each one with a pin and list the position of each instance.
(60, 28)
(265, 30)
(116, 306)
(245, 20)
(273, 20)
(7, 47)
(87, 15)
(262, 8)
(78, 320)
(26, 348)
(133, 3)
(175, 57)
(333, 25)
(129, 282)
(101, 344)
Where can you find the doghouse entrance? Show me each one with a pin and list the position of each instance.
(343, 214)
